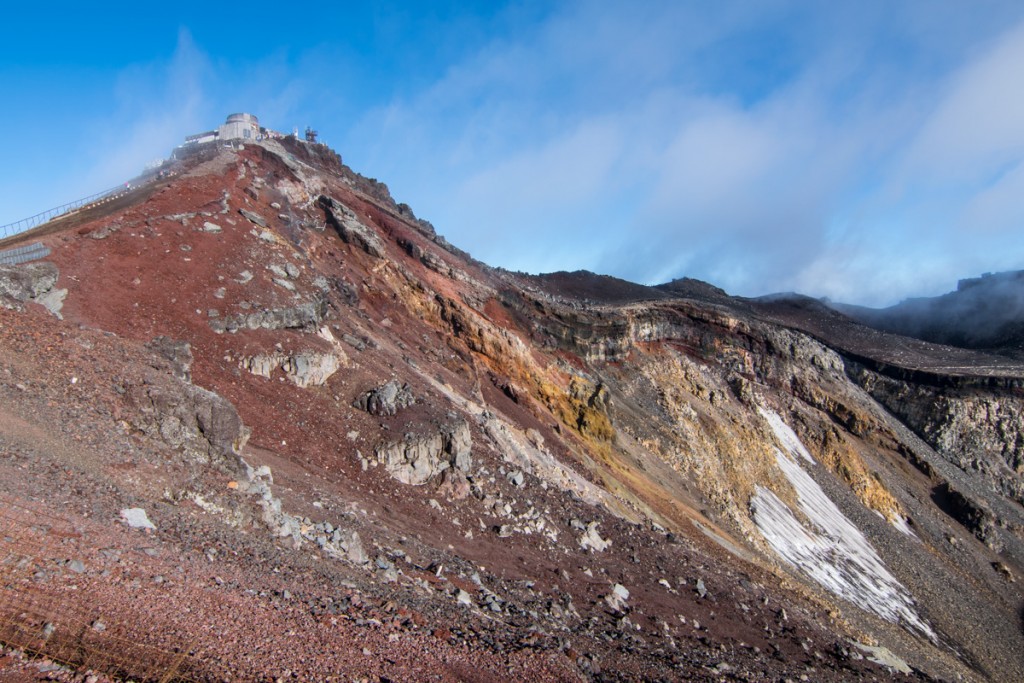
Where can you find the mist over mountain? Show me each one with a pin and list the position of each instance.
(984, 312)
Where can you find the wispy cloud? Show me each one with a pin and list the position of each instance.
(862, 151)
(769, 149)
(155, 106)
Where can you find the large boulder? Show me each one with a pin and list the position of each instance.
(306, 315)
(201, 424)
(386, 399)
(35, 282)
(304, 369)
(418, 458)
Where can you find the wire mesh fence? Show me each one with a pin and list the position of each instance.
(67, 628)
(29, 252)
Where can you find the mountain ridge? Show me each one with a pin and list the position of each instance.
(566, 474)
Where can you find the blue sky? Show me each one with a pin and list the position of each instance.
(866, 151)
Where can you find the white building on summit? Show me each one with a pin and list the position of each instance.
(237, 127)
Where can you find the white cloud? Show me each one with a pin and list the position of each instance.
(977, 123)
(841, 150)
(156, 106)
(997, 211)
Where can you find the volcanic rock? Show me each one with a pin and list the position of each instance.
(416, 459)
(386, 399)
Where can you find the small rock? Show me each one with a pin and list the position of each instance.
(211, 227)
(617, 598)
(77, 566)
(592, 540)
(464, 598)
(136, 518)
(255, 218)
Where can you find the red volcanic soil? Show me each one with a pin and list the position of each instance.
(211, 594)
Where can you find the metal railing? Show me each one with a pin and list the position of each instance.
(48, 215)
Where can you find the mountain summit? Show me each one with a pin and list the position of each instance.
(258, 421)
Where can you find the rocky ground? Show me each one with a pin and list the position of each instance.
(365, 456)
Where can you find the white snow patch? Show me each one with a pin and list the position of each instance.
(786, 436)
(901, 525)
(833, 551)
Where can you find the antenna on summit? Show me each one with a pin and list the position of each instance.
(311, 134)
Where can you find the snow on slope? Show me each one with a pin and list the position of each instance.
(831, 550)
(786, 436)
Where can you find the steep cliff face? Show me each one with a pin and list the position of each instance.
(720, 393)
(630, 480)
(980, 434)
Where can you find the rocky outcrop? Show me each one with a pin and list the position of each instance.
(201, 424)
(386, 399)
(975, 515)
(177, 353)
(310, 368)
(31, 282)
(418, 458)
(307, 315)
(977, 431)
(431, 260)
(305, 369)
(350, 228)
